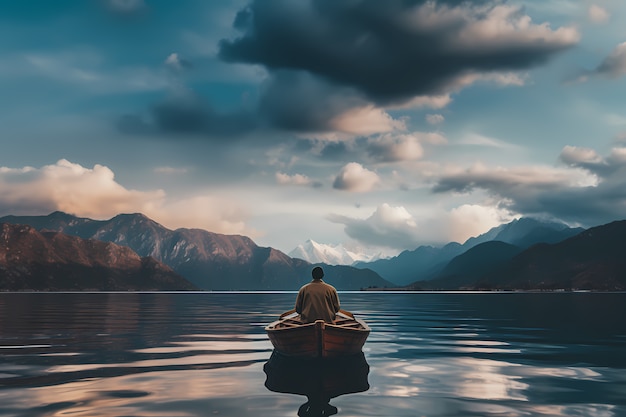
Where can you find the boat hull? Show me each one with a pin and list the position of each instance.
(346, 336)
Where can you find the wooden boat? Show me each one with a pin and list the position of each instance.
(346, 335)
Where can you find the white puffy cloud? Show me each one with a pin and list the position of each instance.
(598, 14)
(388, 226)
(94, 192)
(396, 228)
(469, 220)
(366, 120)
(71, 188)
(502, 26)
(354, 177)
(395, 147)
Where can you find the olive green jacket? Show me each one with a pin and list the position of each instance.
(317, 300)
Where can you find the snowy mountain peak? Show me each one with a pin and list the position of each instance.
(314, 252)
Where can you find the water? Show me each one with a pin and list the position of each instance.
(204, 354)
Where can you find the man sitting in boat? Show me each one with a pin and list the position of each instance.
(317, 300)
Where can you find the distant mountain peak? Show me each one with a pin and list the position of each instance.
(314, 252)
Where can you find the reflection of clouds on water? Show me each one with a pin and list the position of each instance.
(201, 392)
(595, 410)
(463, 377)
(452, 355)
(494, 387)
(489, 380)
(567, 372)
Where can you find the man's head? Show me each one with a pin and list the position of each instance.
(318, 273)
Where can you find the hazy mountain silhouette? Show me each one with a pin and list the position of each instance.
(51, 261)
(473, 264)
(209, 260)
(594, 259)
(427, 262)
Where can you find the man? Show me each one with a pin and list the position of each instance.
(317, 300)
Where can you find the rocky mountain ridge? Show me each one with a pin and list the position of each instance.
(211, 261)
(52, 261)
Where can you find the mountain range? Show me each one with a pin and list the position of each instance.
(591, 260)
(428, 262)
(210, 261)
(61, 251)
(51, 261)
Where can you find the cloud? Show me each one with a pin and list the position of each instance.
(434, 119)
(94, 192)
(614, 65)
(475, 139)
(401, 147)
(598, 14)
(379, 48)
(366, 120)
(354, 177)
(176, 63)
(81, 67)
(589, 160)
(396, 228)
(213, 213)
(501, 180)
(296, 179)
(184, 112)
(392, 227)
(469, 220)
(338, 70)
(299, 102)
(592, 190)
(72, 188)
(125, 7)
(170, 170)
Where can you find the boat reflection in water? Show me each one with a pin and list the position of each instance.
(320, 379)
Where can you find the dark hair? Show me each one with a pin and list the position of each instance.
(318, 273)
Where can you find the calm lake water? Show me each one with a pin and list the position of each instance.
(206, 354)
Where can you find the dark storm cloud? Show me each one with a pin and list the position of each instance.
(297, 101)
(189, 114)
(391, 50)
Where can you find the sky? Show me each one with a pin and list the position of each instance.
(378, 125)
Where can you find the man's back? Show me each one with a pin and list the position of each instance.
(317, 300)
